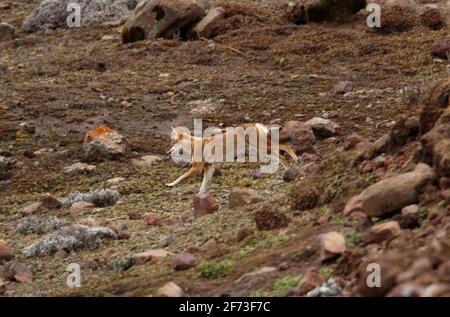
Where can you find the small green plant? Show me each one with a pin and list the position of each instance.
(326, 272)
(217, 270)
(280, 288)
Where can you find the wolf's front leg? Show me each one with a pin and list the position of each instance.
(207, 175)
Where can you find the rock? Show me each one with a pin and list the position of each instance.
(385, 231)
(269, 218)
(167, 240)
(81, 206)
(441, 158)
(441, 47)
(291, 175)
(418, 267)
(50, 202)
(352, 140)
(304, 196)
(332, 245)
(243, 197)
(103, 143)
(153, 220)
(343, 87)
(395, 192)
(327, 289)
(61, 254)
(116, 180)
(15, 271)
(434, 99)
(243, 233)
(146, 161)
(299, 135)
(161, 18)
(5, 168)
(170, 290)
(354, 204)
(260, 272)
(410, 210)
(33, 209)
(52, 14)
(322, 128)
(7, 32)
(183, 261)
(439, 133)
(79, 168)
(206, 27)
(205, 204)
(134, 215)
(432, 19)
(304, 11)
(150, 256)
(6, 253)
(309, 281)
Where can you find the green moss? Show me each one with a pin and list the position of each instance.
(217, 270)
(280, 288)
(326, 272)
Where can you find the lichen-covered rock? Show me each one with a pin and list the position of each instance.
(52, 14)
(162, 18)
(99, 197)
(69, 238)
(243, 197)
(103, 143)
(39, 224)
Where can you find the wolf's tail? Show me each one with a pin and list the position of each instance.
(286, 148)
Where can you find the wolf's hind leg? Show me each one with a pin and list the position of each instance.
(195, 169)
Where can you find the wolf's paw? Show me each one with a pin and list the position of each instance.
(171, 184)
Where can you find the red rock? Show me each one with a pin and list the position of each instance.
(309, 281)
(183, 261)
(243, 233)
(354, 204)
(283, 266)
(332, 245)
(299, 135)
(6, 253)
(385, 231)
(205, 204)
(150, 256)
(324, 219)
(352, 140)
(153, 220)
(16, 271)
(441, 47)
(61, 254)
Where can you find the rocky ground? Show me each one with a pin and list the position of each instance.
(85, 125)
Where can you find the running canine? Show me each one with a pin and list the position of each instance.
(205, 152)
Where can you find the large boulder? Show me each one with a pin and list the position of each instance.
(304, 11)
(395, 192)
(103, 143)
(162, 18)
(300, 135)
(52, 14)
